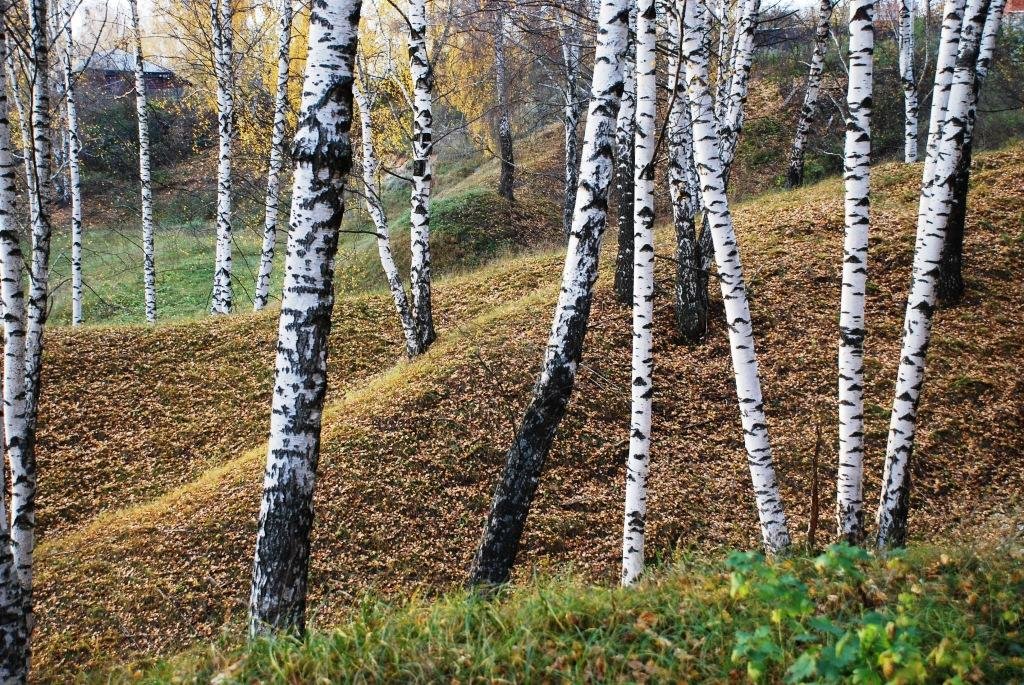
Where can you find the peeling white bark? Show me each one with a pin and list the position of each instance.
(223, 62)
(908, 79)
(422, 148)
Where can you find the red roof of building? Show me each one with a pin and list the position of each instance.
(1014, 6)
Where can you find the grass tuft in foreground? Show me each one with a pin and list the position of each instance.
(843, 616)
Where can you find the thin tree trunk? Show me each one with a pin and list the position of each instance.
(323, 158)
(625, 139)
(951, 280)
(642, 388)
(380, 222)
(514, 493)
(223, 62)
(277, 157)
(857, 177)
(707, 155)
(742, 61)
(422, 148)
(506, 182)
(894, 504)
(14, 631)
(945, 65)
(690, 308)
(74, 155)
(569, 36)
(148, 252)
(908, 79)
(795, 175)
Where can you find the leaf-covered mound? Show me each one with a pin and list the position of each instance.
(411, 450)
(842, 616)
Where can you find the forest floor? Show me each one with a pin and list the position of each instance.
(151, 440)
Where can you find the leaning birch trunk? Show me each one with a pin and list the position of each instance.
(376, 210)
(907, 79)
(223, 56)
(148, 252)
(706, 152)
(277, 156)
(514, 493)
(74, 169)
(625, 139)
(642, 389)
(945, 65)
(856, 177)
(742, 61)
(23, 117)
(951, 280)
(323, 158)
(569, 36)
(795, 175)
(691, 306)
(14, 632)
(422, 148)
(506, 181)
(894, 504)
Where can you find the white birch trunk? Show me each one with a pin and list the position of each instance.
(142, 110)
(931, 233)
(14, 633)
(506, 181)
(707, 155)
(323, 158)
(569, 37)
(74, 168)
(945, 65)
(856, 177)
(512, 498)
(422, 148)
(277, 157)
(908, 80)
(642, 389)
(223, 62)
(795, 176)
(625, 139)
(380, 223)
(742, 60)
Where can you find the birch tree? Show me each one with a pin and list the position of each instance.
(422, 147)
(515, 491)
(142, 109)
(277, 157)
(856, 179)
(894, 503)
(951, 281)
(572, 105)
(642, 388)
(707, 155)
(14, 628)
(690, 307)
(375, 208)
(822, 31)
(945, 66)
(74, 167)
(223, 63)
(625, 138)
(741, 62)
(506, 181)
(323, 157)
(908, 80)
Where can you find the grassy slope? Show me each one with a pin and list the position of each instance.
(410, 454)
(926, 616)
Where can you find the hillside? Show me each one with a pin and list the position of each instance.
(148, 512)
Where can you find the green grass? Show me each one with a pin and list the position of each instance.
(843, 616)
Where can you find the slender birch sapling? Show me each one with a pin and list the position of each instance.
(908, 80)
(707, 156)
(625, 139)
(642, 389)
(856, 179)
(822, 31)
(272, 202)
(894, 504)
(223, 61)
(141, 108)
